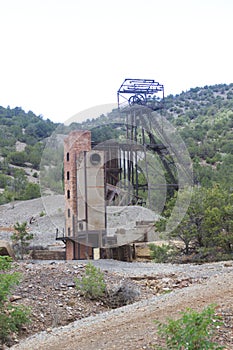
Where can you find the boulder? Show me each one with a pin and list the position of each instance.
(6, 249)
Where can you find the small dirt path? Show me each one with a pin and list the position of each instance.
(133, 327)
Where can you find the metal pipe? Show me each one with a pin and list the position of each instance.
(85, 191)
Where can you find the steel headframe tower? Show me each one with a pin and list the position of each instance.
(144, 92)
(137, 100)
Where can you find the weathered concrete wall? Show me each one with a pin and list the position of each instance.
(91, 195)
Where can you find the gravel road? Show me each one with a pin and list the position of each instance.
(131, 326)
(151, 269)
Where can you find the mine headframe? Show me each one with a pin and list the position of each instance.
(138, 102)
(145, 92)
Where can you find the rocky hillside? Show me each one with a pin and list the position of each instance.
(44, 216)
(22, 138)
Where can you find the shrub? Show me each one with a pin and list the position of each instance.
(31, 191)
(92, 284)
(12, 318)
(21, 238)
(193, 331)
(161, 254)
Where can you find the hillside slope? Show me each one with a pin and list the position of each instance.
(45, 215)
(203, 117)
(21, 145)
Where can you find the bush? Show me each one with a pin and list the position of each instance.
(17, 158)
(31, 191)
(92, 284)
(161, 254)
(21, 238)
(193, 331)
(211, 254)
(6, 197)
(12, 318)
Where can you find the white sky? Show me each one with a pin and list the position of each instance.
(59, 57)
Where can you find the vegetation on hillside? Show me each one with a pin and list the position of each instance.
(12, 317)
(207, 227)
(28, 132)
(203, 117)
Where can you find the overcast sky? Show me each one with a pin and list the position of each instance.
(59, 57)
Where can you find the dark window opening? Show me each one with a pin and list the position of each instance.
(68, 213)
(68, 231)
(68, 175)
(68, 194)
(67, 156)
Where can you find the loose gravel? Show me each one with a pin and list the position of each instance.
(215, 275)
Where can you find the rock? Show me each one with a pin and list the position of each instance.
(166, 280)
(6, 249)
(228, 264)
(15, 298)
(70, 284)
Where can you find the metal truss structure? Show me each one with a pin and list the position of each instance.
(138, 100)
(144, 92)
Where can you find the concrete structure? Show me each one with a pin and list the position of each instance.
(6, 249)
(84, 185)
(90, 181)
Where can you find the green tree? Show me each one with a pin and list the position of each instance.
(19, 183)
(208, 222)
(161, 254)
(6, 197)
(21, 237)
(31, 191)
(218, 219)
(17, 158)
(34, 153)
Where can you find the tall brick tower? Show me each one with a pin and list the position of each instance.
(84, 185)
